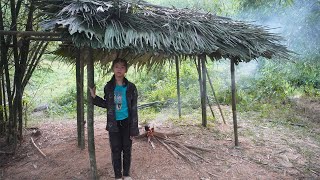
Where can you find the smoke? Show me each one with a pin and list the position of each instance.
(298, 23)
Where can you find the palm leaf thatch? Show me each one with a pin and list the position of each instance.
(147, 34)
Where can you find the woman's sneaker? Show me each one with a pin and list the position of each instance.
(127, 178)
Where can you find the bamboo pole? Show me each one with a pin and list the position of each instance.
(29, 33)
(82, 122)
(178, 85)
(204, 91)
(199, 73)
(90, 118)
(234, 109)
(208, 101)
(48, 39)
(215, 97)
(80, 109)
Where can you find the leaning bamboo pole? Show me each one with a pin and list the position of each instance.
(208, 101)
(215, 97)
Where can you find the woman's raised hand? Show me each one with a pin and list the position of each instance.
(93, 91)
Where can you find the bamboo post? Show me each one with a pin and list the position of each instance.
(29, 33)
(234, 110)
(204, 91)
(178, 85)
(215, 97)
(90, 119)
(80, 110)
(199, 73)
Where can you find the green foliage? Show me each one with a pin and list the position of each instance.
(64, 104)
(306, 75)
(260, 4)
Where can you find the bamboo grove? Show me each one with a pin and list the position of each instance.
(19, 58)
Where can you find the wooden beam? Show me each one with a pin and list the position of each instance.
(48, 39)
(29, 33)
(234, 108)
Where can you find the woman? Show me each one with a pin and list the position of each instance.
(120, 99)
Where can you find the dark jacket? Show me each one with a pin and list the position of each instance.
(108, 102)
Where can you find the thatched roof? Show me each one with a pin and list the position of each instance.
(146, 34)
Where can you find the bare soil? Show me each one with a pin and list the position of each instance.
(267, 150)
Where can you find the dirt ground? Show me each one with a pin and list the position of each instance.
(267, 150)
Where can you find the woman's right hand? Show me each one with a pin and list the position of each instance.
(93, 91)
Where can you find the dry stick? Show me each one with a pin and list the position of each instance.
(215, 97)
(181, 154)
(37, 148)
(149, 140)
(189, 146)
(199, 148)
(190, 151)
(168, 148)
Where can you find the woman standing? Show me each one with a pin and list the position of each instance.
(120, 100)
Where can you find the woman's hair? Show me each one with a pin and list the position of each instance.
(119, 60)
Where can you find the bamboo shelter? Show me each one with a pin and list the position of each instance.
(149, 36)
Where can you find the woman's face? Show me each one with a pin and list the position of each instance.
(119, 69)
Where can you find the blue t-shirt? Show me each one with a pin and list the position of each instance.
(120, 101)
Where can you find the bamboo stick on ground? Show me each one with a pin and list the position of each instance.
(199, 148)
(192, 152)
(187, 149)
(169, 149)
(34, 144)
(181, 154)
